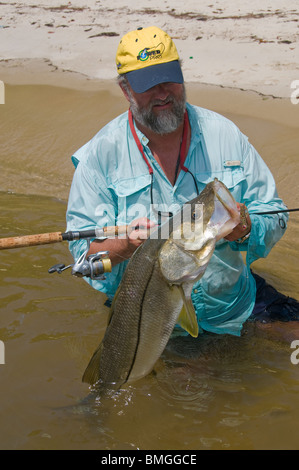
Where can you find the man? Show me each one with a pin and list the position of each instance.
(161, 154)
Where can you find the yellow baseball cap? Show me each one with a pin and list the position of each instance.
(148, 57)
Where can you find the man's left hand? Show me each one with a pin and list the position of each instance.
(243, 228)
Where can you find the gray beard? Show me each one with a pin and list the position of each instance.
(166, 121)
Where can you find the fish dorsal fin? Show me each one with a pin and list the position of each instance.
(187, 318)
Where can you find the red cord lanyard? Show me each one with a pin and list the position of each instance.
(183, 153)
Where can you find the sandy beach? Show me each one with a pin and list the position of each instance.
(239, 59)
(248, 45)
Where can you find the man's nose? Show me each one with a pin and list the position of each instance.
(161, 91)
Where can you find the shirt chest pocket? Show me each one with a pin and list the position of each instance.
(133, 198)
(232, 176)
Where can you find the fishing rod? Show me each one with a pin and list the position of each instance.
(56, 237)
(107, 232)
(94, 265)
(273, 212)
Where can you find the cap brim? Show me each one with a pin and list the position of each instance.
(143, 79)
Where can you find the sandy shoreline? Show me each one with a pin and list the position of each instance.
(238, 59)
(241, 45)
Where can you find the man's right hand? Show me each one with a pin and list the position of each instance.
(139, 230)
(121, 248)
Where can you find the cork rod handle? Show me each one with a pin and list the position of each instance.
(30, 240)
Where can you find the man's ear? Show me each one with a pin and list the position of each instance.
(123, 89)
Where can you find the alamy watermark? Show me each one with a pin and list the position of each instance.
(183, 222)
(295, 93)
(295, 354)
(2, 352)
(2, 92)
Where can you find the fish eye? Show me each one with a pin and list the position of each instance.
(197, 212)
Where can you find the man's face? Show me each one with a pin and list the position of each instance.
(161, 108)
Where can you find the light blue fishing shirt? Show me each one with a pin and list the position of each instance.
(111, 186)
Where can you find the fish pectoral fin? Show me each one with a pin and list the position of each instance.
(91, 374)
(187, 318)
(188, 323)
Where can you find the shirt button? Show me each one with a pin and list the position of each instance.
(195, 291)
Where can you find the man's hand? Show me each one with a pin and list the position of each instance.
(121, 248)
(243, 228)
(138, 231)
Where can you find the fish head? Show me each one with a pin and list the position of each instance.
(196, 228)
(226, 214)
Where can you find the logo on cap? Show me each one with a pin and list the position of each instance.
(144, 47)
(151, 52)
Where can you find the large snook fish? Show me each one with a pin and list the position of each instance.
(155, 292)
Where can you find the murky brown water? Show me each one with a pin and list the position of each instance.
(242, 393)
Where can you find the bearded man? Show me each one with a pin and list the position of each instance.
(145, 164)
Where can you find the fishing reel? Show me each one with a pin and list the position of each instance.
(93, 266)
